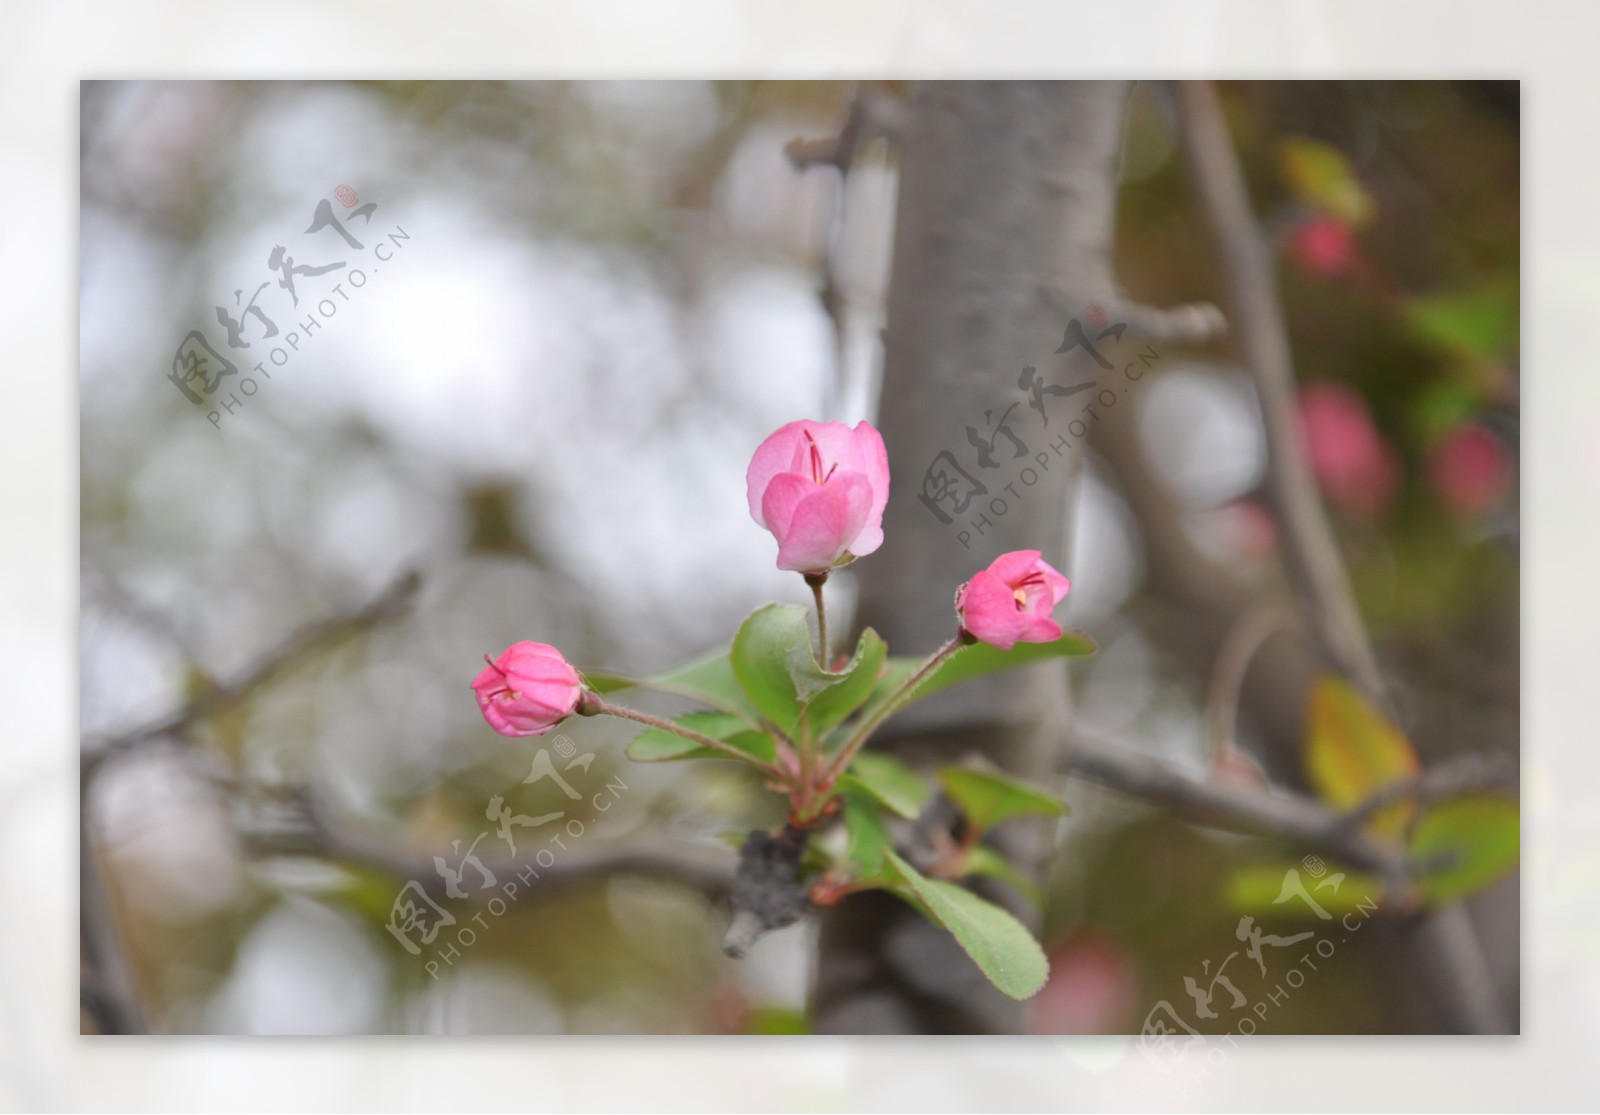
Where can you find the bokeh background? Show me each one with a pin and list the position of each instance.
(605, 295)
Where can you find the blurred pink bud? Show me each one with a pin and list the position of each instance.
(1323, 247)
(1011, 601)
(1092, 988)
(1470, 469)
(1234, 767)
(528, 690)
(1249, 529)
(1354, 464)
(820, 488)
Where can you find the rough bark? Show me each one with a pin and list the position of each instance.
(1004, 229)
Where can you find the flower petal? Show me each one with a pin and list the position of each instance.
(778, 454)
(825, 523)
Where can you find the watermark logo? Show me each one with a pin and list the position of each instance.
(418, 921)
(202, 372)
(1219, 1008)
(1001, 453)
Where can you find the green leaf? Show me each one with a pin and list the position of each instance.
(772, 647)
(997, 942)
(1480, 322)
(777, 1020)
(868, 838)
(850, 687)
(1320, 176)
(1265, 888)
(889, 781)
(658, 745)
(1353, 751)
(987, 797)
(976, 661)
(984, 860)
(708, 680)
(1475, 840)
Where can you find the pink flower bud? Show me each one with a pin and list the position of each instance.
(1011, 601)
(1470, 469)
(528, 690)
(1354, 464)
(820, 488)
(1323, 247)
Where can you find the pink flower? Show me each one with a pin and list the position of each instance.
(528, 690)
(820, 488)
(1011, 601)
(1353, 463)
(1470, 469)
(1323, 247)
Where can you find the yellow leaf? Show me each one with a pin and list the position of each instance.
(1353, 750)
(1321, 177)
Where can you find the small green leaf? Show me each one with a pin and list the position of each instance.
(1474, 840)
(658, 745)
(987, 797)
(1479, 322)
(708, 680)
(890, 781)
(777, 1020)
(771, 643)
(868, 838)
(1275, 888)
(847, 689)
(984, 860)
(975, 661)
(1353, 751)
(998, 943)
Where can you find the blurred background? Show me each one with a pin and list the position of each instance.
(591, 302)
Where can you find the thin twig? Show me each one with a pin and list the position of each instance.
(1188, 323)
(1282, 814)
(314, 832)
(1458, 775)
(889, 706)
(386, 604)
(1261, 338)
(1248, 635)
(602, 707)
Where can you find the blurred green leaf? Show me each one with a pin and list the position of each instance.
(1353, 750)
(778, 1020)
(1442, 405)
(1475, 839)
(1320, 177)
(984, 860)
(657, 745)
(1480, 322)
(987, 797)
(868, 837)
(997, 942)
(1260, 889)
(889, 781)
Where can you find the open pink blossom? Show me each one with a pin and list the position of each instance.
(820, 488)
(1011, 601)
(528, 690)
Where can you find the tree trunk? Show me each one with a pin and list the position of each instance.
(1004, 231)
